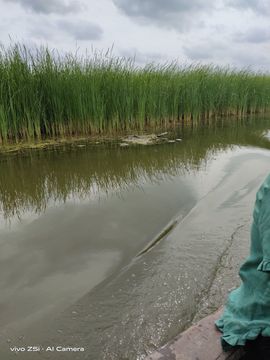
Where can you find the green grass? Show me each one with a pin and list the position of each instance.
(44, 95)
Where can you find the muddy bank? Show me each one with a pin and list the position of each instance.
(14, 148)
(122, 138)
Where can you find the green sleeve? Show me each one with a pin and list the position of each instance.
(263, 222)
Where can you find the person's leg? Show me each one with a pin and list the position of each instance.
(258, 349)
(263, 345)
(251, 351)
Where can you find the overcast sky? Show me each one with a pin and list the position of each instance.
(234, 32)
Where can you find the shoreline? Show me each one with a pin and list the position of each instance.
(116, 137)
(14, 148)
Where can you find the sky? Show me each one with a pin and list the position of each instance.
(222, 32)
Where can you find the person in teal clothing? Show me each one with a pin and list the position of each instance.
(246, 318)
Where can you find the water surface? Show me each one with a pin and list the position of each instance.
(73, 221)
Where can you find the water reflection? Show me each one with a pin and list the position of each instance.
(31, 181)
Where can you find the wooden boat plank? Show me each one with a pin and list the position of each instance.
(199, 342)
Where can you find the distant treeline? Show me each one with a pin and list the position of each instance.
(43, 94)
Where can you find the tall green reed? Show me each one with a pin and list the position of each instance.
(44, 94)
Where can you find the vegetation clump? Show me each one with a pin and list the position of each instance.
(46, 95)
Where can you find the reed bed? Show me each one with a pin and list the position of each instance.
(44, 94)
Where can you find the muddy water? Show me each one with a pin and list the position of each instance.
(73, 221)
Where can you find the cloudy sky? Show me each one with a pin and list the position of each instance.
(234, 32)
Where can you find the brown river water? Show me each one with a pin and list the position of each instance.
(114, 250)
